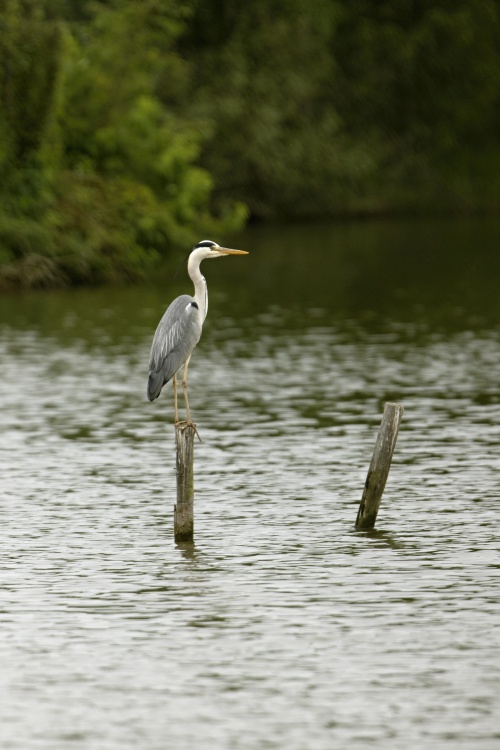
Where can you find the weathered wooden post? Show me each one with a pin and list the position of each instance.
(183, 509)
(379, 467)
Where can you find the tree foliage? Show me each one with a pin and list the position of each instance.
(130, 128)
(349, 105)
(100, 176)
(278, 141)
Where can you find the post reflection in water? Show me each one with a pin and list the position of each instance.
(282, 626)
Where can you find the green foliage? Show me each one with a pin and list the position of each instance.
(131, 128)
(100, 177)
(26, 85)
(433, 65)
(423, 80)
(261, 75)
(347, 106)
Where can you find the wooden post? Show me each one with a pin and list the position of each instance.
(379, 467)
(183, 509)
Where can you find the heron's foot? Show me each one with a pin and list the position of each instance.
(189, 423)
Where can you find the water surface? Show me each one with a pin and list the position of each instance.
(282, 627)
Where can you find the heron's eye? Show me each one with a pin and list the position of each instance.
(195, 304)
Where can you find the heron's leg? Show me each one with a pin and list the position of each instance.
(176, 413)
(189, 422)
(185, 389)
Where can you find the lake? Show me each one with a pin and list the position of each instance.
(281, 627)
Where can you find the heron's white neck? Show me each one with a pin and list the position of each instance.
(200, 286)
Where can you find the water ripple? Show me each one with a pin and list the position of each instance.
(282, 626)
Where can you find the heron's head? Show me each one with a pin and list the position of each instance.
(210, 249)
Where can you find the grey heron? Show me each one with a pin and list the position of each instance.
(180, 328)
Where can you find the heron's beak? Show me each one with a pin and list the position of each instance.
(228, 251)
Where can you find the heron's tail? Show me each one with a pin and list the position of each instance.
(156, 381)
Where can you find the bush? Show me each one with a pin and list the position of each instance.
(99, 178)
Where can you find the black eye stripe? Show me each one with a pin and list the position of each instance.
(205, 243)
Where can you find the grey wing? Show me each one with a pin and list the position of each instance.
(177, 334)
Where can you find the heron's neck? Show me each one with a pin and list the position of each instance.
(200, 289)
